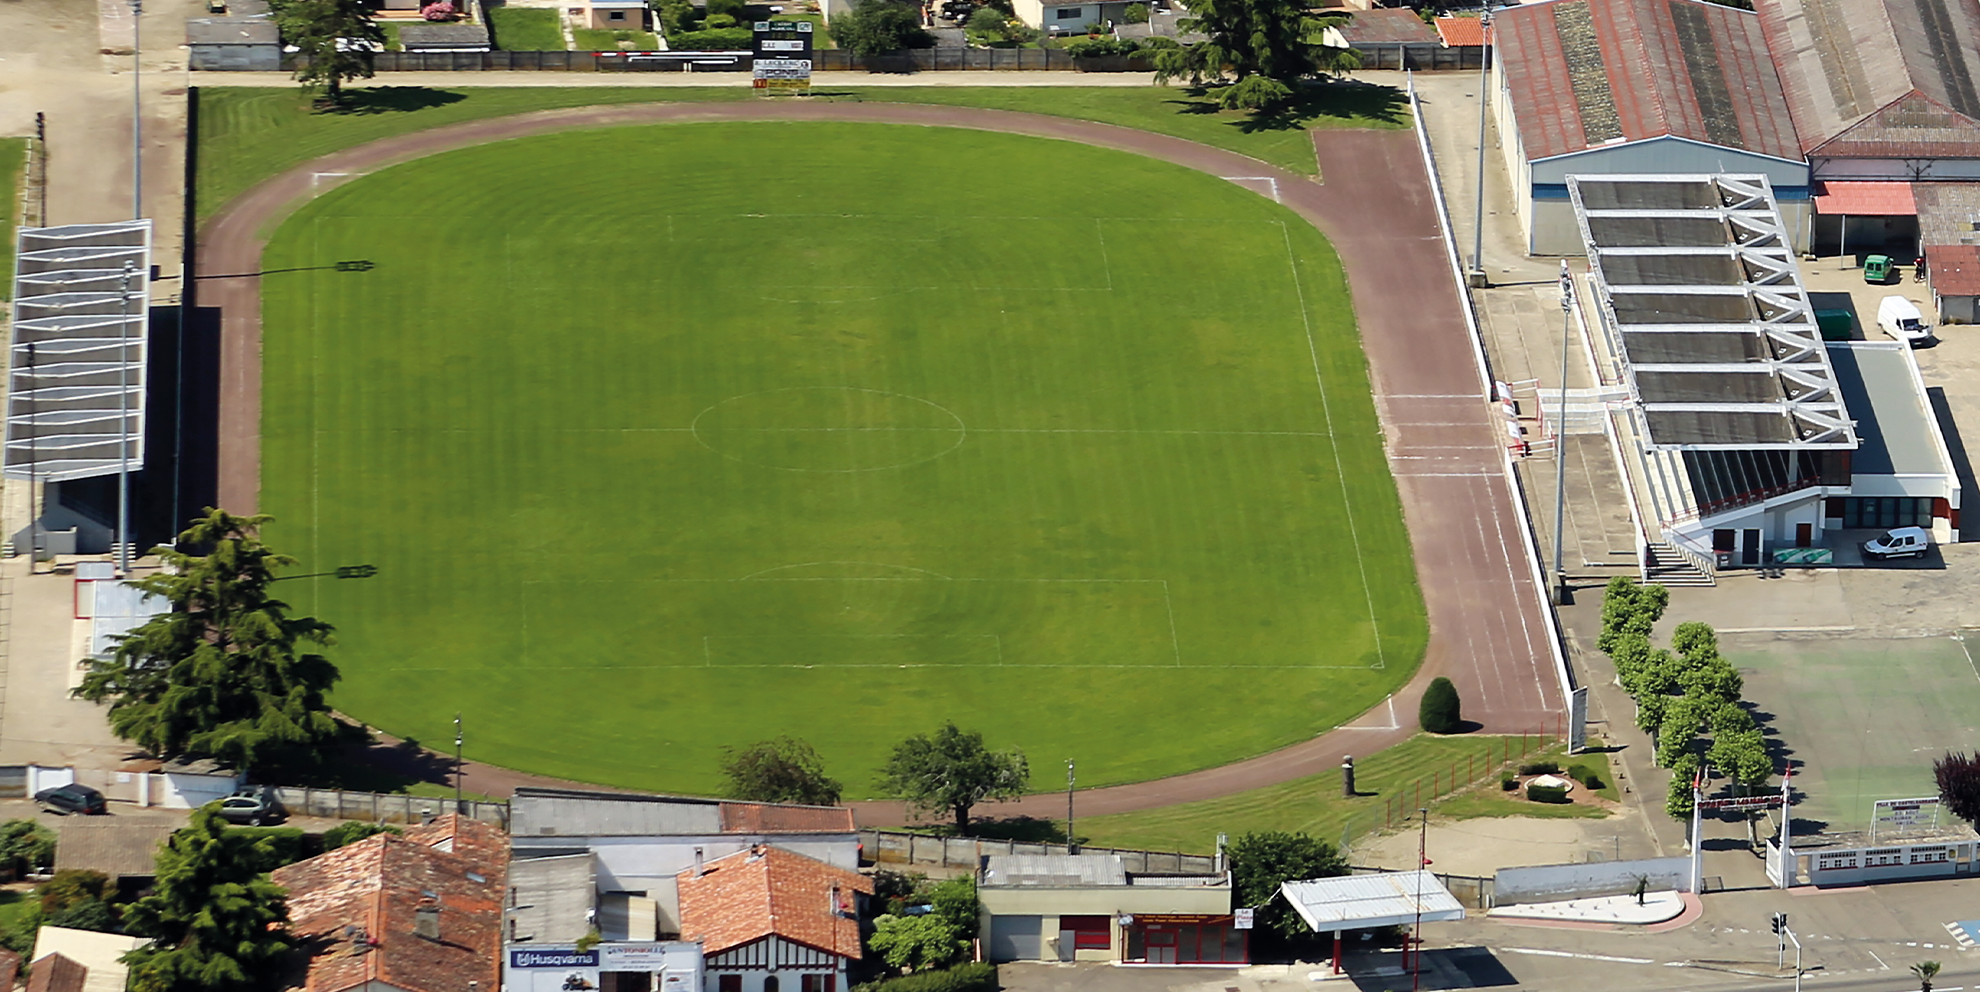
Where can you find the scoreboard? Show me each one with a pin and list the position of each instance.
(782, 51)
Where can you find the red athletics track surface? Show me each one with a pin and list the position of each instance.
(1488, 633)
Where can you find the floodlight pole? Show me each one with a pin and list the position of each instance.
(457, 763)
(1477, 276)
(1416, 935)
(1072, 847)
(34, 449)
(137, 121)
(1562, 597)
(124, 425)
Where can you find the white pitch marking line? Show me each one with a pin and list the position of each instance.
(1879, 960)
(1580, 957)
(1259, 179)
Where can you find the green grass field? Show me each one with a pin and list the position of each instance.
(596, 40)
(13, 165)
(1863, 719)
(249, 134)
(677, 452)
(525, 29)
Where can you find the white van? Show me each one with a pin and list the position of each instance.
(1901, 542)
(1900, 319)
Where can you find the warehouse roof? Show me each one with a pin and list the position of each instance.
(1882, 78)
(1387, 26)
(1588, 73)
(1361, 902)
(1699, 294)
(1955, 269)
(1872, 199)
(1893, 416)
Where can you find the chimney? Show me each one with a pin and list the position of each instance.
(426, 919)
(697, 863)
(838, 908)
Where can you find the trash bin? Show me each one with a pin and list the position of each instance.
(1724, 558)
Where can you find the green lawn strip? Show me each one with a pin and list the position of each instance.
(606, 40)
(391, 32)
(249, 134)
(13, 165)
(1487, 801)
(1385, 780)
(525, 29)
(1095, 509)
(14, 905)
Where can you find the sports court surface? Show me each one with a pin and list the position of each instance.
(666, 439)
(1862, 719)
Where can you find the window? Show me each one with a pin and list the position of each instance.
(615, 15)
(1887, 511)
(1068, 13)
(817, 983)
(1090, 933)
(728, 983)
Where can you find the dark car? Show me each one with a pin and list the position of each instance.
(252, 807)
(71, 799)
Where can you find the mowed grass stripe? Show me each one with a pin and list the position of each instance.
(580, 395)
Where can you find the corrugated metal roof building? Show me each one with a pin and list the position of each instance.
(1636, 87)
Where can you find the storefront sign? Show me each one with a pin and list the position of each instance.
(647, 957)
(1242, 918)
(553, 959)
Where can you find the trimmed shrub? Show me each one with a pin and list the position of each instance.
(1587, 775)
(1136, 13)
(1087, 48)
(1439, 710)
(1508, 783)
(1547, 793)
(716, 40)
(976, 976)
(1540, 768)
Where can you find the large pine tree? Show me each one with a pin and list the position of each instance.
(214, 918)
(227, 673)
(1268, 45)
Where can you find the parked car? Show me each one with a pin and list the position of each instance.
(1901, 319)
(252, 807)
(1878, 269)
(72, 798)
(1901, 542)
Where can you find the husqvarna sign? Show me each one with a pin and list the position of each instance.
(553, 958)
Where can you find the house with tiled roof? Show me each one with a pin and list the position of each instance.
(634, 847)
(770, 920)
(418, 912)
(1636, 87)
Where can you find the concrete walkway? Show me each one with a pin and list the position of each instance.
(1655, 907)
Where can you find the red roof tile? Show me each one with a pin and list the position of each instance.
(768, 818)
(1886, 199)
(1647, 69)
(1462, 32)
(765, 890)
(1953, 269)
(355, 908)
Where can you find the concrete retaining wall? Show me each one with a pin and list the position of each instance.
(1553, 883)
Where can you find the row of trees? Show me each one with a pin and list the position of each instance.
(1688, 697)
(950, 772)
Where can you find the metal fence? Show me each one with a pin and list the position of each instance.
(827, 60)
(385, 808)
(888, 847)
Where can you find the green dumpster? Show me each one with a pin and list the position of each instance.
(1877, 269)
(1836, 325)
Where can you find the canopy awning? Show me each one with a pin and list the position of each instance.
(1865, 199)
(1360, 902)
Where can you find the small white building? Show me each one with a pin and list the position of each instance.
(1070, 18)
(1089, 907)
(769, 920)
(1633, 87)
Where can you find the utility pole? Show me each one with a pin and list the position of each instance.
(1422, 864)
(34, 486)
(1477, 277)
(457, 763)
(124, 423)
(1562, 597)
(137, 121)
(1072, 847)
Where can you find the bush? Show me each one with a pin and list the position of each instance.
(69, 887)
(1587, 775)
(976, 976)
(352, 831)
(281, 845)
(442, 11)
(25, 846)
(1087, 48)
(719, 40)
(1547, 793)
(1438, 712)
(1540, 768)
(716, 22)
(1508, 783)
(1136, 13)
(875, 27)
(987, 20)
(734, 8)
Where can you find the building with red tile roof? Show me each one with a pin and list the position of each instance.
(767, 918)
(1636, 87)
(1462, 32)
(420, 912)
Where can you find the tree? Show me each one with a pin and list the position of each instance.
(1439, 710)
(1925, 971)
(1629, 608)
(1267, 45)
(78, 899)
(337, 37)
(1713, 678)
(916, 943)
(227, 673)
(352, 831)
(25, 846)
(1694, 641)
(1262, 861)
(953, 771)
(783, 770)
(1742, 755)
(1958, 776)
(216, 923)
(876, 27)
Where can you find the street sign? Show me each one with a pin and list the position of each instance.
(1241, 919)
(1742, 803)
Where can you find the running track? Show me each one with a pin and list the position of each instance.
(1488, 632)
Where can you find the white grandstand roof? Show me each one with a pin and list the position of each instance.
(75, 390)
